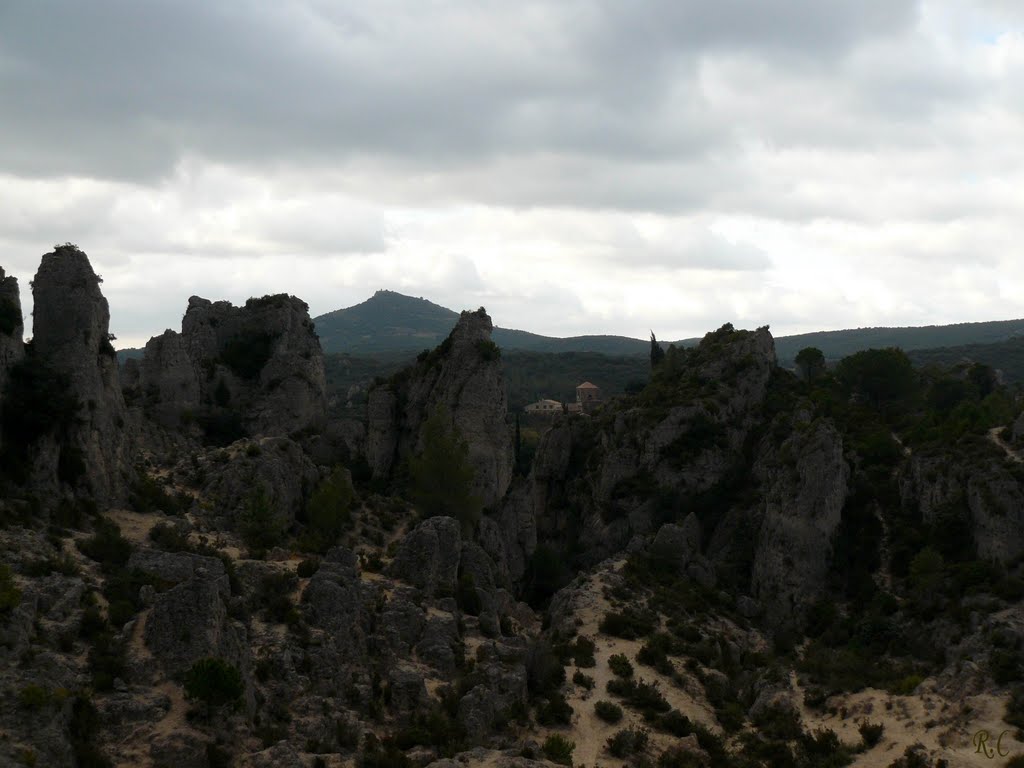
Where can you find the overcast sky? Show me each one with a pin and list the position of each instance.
(591, 166)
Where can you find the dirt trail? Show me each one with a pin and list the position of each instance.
(995, 437)
(588, 731)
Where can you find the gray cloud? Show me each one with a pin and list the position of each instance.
(675, 163)
(124, 90)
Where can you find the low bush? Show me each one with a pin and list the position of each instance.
(583, 652)
(10, 595)
(608, 711)
(871, 733)
(582, 680)
(559, 749)
(106, 546)
(214, 682)
(627, 742)
(555, 710)
(620, 665)
(629, 624)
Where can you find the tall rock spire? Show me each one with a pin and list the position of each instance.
(71, 324)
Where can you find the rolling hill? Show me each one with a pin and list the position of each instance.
(390, 322)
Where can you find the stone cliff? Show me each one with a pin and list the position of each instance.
(463, 375)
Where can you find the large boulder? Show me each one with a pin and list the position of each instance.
(428, 557)
(190, 622)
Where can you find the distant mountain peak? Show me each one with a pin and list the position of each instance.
(389, 322)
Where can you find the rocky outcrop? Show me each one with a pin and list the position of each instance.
(608, 480)
(463, 376)
(168, 380)
(12, 326)
(804, 484)
(979, 490)
(190, 622)
(71, 336)
(256, 369)
(273, 470)
(428, 557)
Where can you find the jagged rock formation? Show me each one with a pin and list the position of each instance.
(71, 326)
(464, 376)
(256, 369)
(608, 471)
(805, 487)
(11, 326)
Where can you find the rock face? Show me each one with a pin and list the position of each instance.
(71, 336)
(978, 491)
(464, 376)
(256, 369)
(604, 476)
(805, 487)
(12, 326)
(190, 622)
(170, 387)
(428, 558)
(273, 466)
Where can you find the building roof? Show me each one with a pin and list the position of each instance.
(587, 385)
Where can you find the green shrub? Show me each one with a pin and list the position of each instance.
(675, 723)
(308, 567)
(583, 652)
(33, 697)
(259, 524)
(147, 495)
(555, 710)
(778, 723)
(82, 729)
(169, 537)
(274, 594)
(642, 696)
(214, 682)
(627, 742)
(559, 749)
(906, 685)
(107, 547)
(441, 475)
(106, 661)
(629, 624)
(620, 665)
(582, 680)
(871, 733)
(10, 595)
(328, 512)
(608, 711)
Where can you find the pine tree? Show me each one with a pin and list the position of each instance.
(657, 353)
(441, 475)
